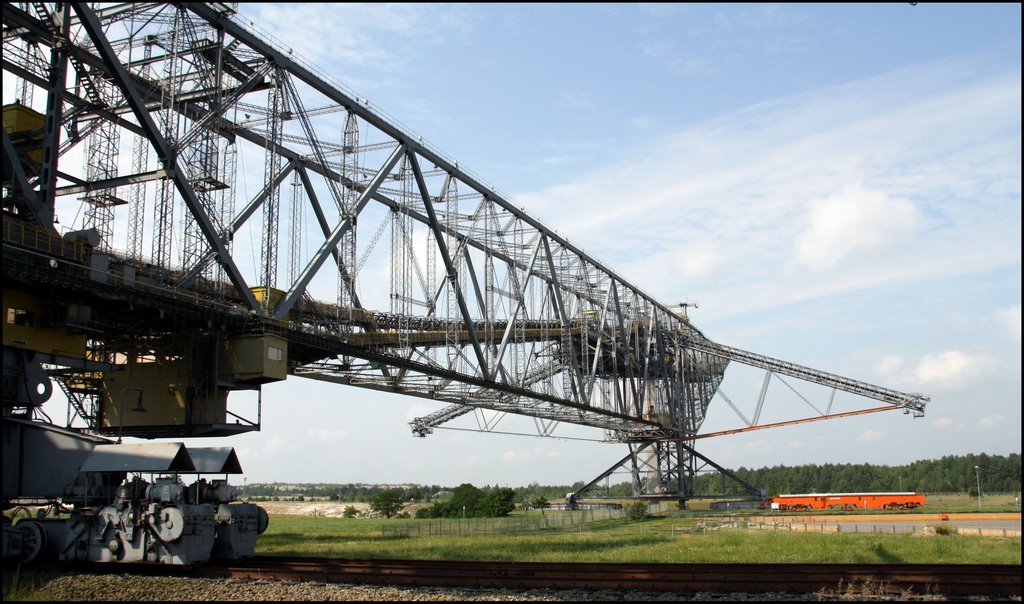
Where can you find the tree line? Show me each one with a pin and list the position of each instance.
(338, 492)
(952, 473)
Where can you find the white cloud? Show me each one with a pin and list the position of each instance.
(465, 461)
(577, 100)
(700, 262)
(943, 423)
(558, 160)
(686, 265)
(992, 421)
(834, 191)
(1009, 319)
(277, 444)
(890, 365)
(534, 454)
(952, 369)
(328, 435)
(271, 448)
(948, 370)
(657, 48)
(643, 122)
(362, 34)
(873, 436)
(688, 65)
(855, 220)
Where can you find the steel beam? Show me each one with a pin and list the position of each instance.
(449, 267)
(331, 244)
(164, 152)
(413, 144)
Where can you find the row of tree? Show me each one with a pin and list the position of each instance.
(467, 501)
(464, 501)
(952, 473)
(339, 492)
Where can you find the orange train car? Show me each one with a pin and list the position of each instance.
(845, 501)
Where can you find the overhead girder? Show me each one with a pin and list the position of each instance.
(534, 325)
(413, 145)
(226, 128)
(912, 402)
(164, 152)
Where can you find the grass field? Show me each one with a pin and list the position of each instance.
(664, 539)
(959, 502)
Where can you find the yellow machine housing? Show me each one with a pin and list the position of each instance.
(157, 393)
(269, 298)
(24, 125)
(254, 359)
(23, 328)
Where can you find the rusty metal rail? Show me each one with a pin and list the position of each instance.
(946, 579)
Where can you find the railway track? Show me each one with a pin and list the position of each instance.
(950, 580)
(946, 579)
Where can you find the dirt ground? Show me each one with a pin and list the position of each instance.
(331, 509)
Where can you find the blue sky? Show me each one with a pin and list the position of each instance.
(834, 185)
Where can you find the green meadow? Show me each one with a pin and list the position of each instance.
(656, 539)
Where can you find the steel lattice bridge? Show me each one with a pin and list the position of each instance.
(382, 263)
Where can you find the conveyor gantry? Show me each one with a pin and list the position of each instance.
(912, 402)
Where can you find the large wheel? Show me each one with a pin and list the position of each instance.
(33, 540)
(262, 520)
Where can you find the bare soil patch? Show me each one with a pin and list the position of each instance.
(327, 508)
(333, 509)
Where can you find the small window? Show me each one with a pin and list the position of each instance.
(17, 316)
(274, 353)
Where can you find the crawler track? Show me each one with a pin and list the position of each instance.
(947, 579)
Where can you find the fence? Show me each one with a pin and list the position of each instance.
(906, 526)
(459, 527)
(584, 521)
(872, 528)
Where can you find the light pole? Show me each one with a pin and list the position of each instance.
(977, 474)
(138, 407)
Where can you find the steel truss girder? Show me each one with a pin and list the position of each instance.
(668, 468)
(913, 402)
(164, 152)
(659, 468)
(449, 266)
(628, 363)
(330, 245)
(414, 145)
(477, 186)
(485, 393)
